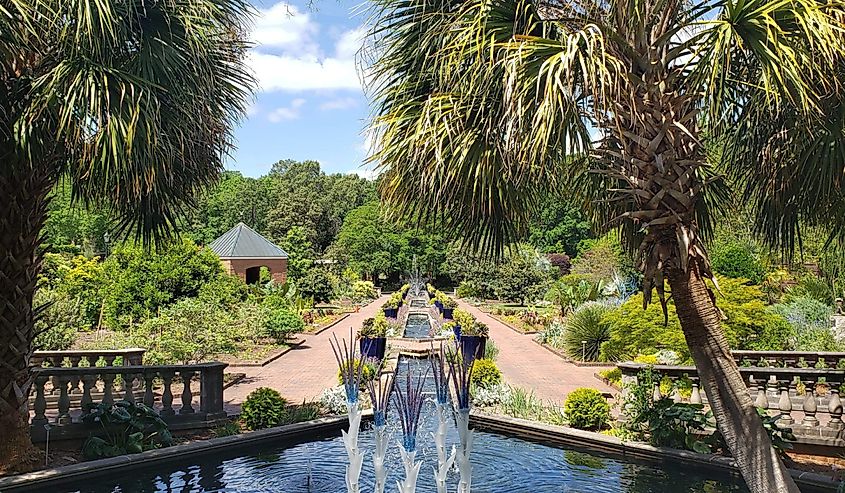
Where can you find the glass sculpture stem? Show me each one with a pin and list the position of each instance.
(350, 441)
(463, 461)
(444, 462)
(382, 438)
(412, 470)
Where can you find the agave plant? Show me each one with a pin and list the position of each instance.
(585, 331)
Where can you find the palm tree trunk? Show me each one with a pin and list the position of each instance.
(736, 417)
(23, 192)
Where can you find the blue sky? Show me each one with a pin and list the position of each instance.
(310, 104)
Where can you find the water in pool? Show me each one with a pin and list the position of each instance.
(500, 465)
(418, 326)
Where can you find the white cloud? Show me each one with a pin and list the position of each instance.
(288, 57)
(339, 104)
(284, 113)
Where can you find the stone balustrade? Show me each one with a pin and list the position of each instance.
(807, 399)
(73, 359)
(789, 359)
(170, 389)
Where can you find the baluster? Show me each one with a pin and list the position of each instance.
(785, 403)
(148, 389)
(187, 396)
(167, 394)
(74, 379)
(695, 397)
(88, 382)
(108, 383)
(55, 362)
(40, 402)
(834, 407)
(64, 401)
(128, 382)
(810, 406)
(760, 387)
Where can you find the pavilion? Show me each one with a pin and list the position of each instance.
(243, 252)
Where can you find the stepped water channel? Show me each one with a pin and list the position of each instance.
(501, 464)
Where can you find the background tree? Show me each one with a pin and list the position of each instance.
(178, 70)
(654, 77)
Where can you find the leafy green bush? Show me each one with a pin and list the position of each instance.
(612, 375)
(810, 323)
(281, 324)
(126, 427)
(737, 260)
(587, 409)
(60, 321)
(602, 258)
(139, 282)
(224, 290)
(368, 373)
(491, 351)
(485, 373)
(363, 290)
(523, 276)
(810, 286)
(263, 408)
(468, 289)
(587, 323)
(316, 285)
(747, 324)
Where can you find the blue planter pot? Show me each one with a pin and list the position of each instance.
(447, 313)
(457, 330)
(472, 347)
(439, 305)
(391, 312)
(373, 347)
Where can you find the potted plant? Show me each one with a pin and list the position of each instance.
(372, 337)
(453, 326)
(449, 306)
(474, 340)
(391, 308)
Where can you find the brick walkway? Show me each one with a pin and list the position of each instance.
(526, 364)
(305, 371)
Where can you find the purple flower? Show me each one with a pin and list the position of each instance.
(410, 404)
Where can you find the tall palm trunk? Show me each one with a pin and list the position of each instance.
(24, 189)
(736, 417)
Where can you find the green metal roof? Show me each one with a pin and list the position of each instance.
(243, 242)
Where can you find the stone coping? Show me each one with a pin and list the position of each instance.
(51, 479)
(563, 356)
(810, 482)
(329, 326)
(271, 357)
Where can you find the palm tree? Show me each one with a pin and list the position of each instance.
(484, 105)
(129, 102)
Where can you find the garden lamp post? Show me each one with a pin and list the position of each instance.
(106, 241)
(583, 351)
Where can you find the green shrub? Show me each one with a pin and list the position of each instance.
(587, 323)
(491, 351)
(612, 375)
(367, 373)
(224, 290)
(364, 290)
(747, 324)
(485, 373)
(811, 286)
(60, 321)
(587, 409)
(263, 408)
(737, 260)
(303, 412)
(316, 285)
(282, 324)
(126, 428)
(809, 320)
(468, 289)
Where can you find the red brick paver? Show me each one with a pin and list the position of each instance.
(526, 364)
(305, 371)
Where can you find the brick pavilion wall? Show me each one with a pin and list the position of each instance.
(278, 267)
